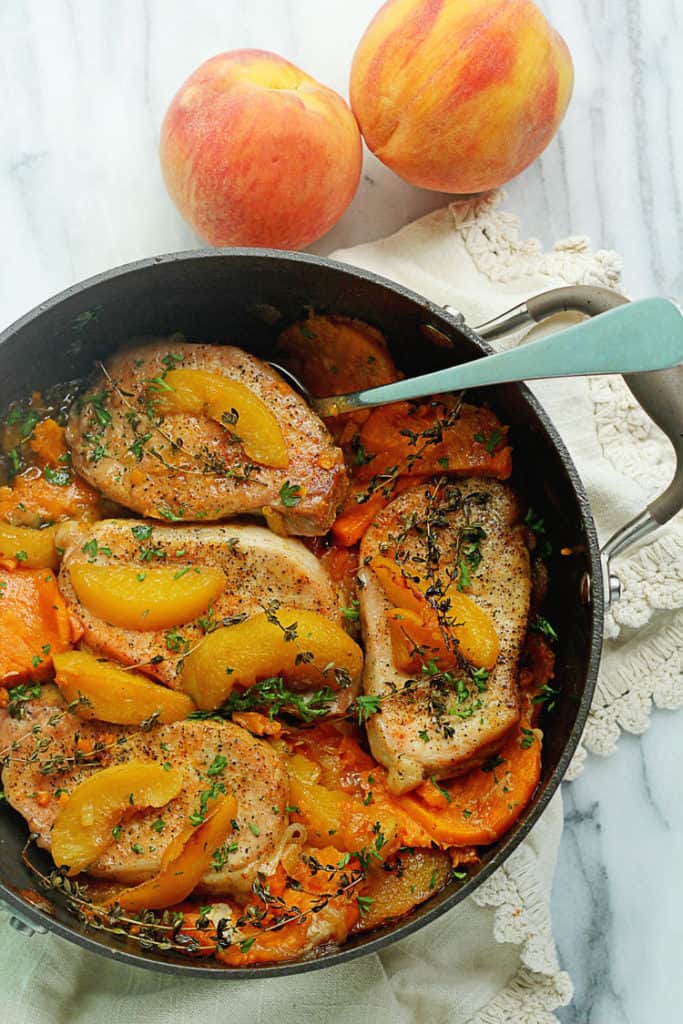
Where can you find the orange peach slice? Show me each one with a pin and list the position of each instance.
(186, 859)
(301, 646)
(83, 827)
(32, 549)
(242, 413)
(113, 694)
(154, 598)
(414, 623)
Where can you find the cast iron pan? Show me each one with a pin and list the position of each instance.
(245, 297)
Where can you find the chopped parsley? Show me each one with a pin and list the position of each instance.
(364, 904)
(143, 531)
(218, 765)
(491, 442)
(290, 494)
(444, 792)
(541, 625)
(60, 477)
(353, 611)
(366, 705)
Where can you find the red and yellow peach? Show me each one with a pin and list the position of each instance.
(460, 95)
(256, 152)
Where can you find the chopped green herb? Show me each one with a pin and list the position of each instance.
(480, 678)
(169, 514)
(218, 765)
(176, 642)
(366, 705)
(364, 904)
(60, 477)
(290, 494)
(541, 625)
(546, 695)
(527, 738)
(141, 532)
(272, 695)
(90, 548)
(444, 792)
(353, 611)
(491, 442)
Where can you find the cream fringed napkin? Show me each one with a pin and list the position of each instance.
(492, 960)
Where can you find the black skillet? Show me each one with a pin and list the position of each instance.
(245, 297)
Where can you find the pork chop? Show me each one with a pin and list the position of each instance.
(188, 467)
(259, 568)
(438, 726)
(253, 773)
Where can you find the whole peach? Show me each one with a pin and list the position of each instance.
(256, 152)
(460, 95)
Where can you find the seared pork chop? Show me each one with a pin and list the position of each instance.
(188, 467)
(429, 728)
(259, 568)
(253, 774)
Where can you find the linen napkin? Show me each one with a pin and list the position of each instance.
(493, 958)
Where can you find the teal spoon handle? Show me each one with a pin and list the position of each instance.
(632, 338)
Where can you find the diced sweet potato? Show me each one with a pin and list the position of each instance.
(333, 355)
(32, 500)
(48, 443)
(34, 624)
(479, 807)
(428, 439)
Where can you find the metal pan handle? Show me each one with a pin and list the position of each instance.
(660, 393)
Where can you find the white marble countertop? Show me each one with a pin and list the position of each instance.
(84, 86)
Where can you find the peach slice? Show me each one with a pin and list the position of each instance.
(301, 646)
(32, 549)
(154, 598)
(327, 812)
(185, 861)
(113, 694)
(83, 827)
(414, 623)
(243, 414)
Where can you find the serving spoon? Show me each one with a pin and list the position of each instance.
(633, 338)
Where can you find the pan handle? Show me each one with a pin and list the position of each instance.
(659, 392)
